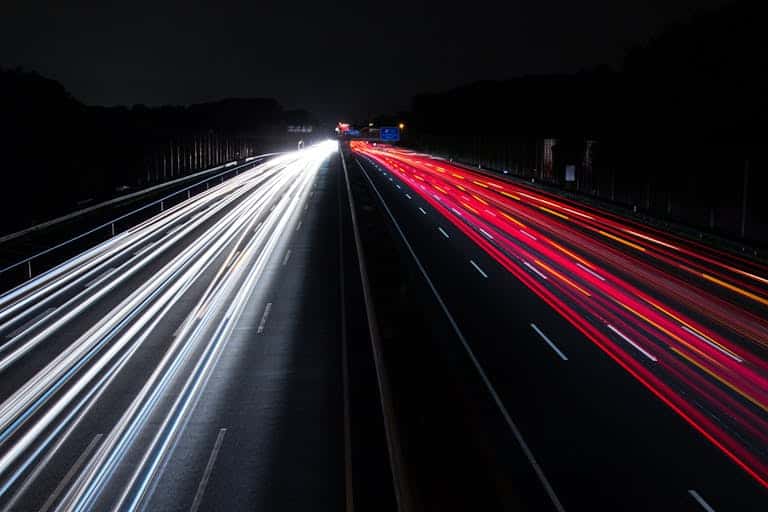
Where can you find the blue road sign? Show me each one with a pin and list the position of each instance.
(389, 133)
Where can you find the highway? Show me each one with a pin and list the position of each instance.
(188, 363)
(197, 360)
(629, 365)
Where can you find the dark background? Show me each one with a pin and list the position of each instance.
(59, 155)
(669, 96)
(676, 131)
(341, 59)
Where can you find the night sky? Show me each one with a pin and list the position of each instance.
(339, 59)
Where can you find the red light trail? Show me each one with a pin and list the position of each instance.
(685, 320)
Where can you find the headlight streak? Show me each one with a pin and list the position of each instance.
(51, 402)
(133, 265)
(710, 376)
(102, 331)
(125, 431)
(40, 386)
(44, 283)
(106, 252)
(171, 426)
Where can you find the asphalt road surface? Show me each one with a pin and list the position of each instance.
(629, 365)
(553, 356)
(189, 363)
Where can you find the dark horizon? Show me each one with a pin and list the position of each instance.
(337, 65)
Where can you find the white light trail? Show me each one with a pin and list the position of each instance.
(223, 221)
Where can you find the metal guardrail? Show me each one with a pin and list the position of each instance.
(402, 488)
(228, 168)
(744, 248)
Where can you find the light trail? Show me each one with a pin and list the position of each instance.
(220, 242)
(686, 320)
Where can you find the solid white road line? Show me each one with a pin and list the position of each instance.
(287, 255)
(208, 470)
(479, 269)
(512, 425)
(549, 342)
(422, 210)
(638, 347)
(443, 232)
(74, 469)
(706, 506)
(263, 321)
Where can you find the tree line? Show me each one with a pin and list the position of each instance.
(58, 154)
